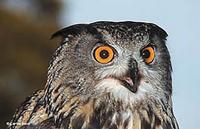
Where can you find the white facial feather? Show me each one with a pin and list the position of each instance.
(108, 84)
(117, 70)
(120, 92)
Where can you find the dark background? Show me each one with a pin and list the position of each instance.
(25, 49)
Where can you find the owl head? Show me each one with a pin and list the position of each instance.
(128, 61)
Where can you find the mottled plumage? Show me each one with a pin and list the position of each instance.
(129, 91)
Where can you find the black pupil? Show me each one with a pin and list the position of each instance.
(104, 54)
(145, 54)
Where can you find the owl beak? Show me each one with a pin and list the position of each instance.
(131, 79)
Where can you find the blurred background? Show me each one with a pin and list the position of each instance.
(25, 48)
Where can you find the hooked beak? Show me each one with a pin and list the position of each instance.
(131, 79)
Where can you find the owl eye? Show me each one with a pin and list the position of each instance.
(148, 54)
(103, 54)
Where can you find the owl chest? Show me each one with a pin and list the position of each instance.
(105, 119)
(105, 115)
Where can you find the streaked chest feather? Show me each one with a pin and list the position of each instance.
(105, 117)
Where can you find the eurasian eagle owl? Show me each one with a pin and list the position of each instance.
(104, 75)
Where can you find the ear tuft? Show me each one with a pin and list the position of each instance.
(159, 31)
(71, 30)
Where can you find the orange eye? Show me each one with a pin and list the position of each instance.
(148, 54)
(103, 54)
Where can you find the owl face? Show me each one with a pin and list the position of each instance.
(127, 60)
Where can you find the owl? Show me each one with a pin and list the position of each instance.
(104, 75)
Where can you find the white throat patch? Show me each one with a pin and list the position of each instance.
(120, 92)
